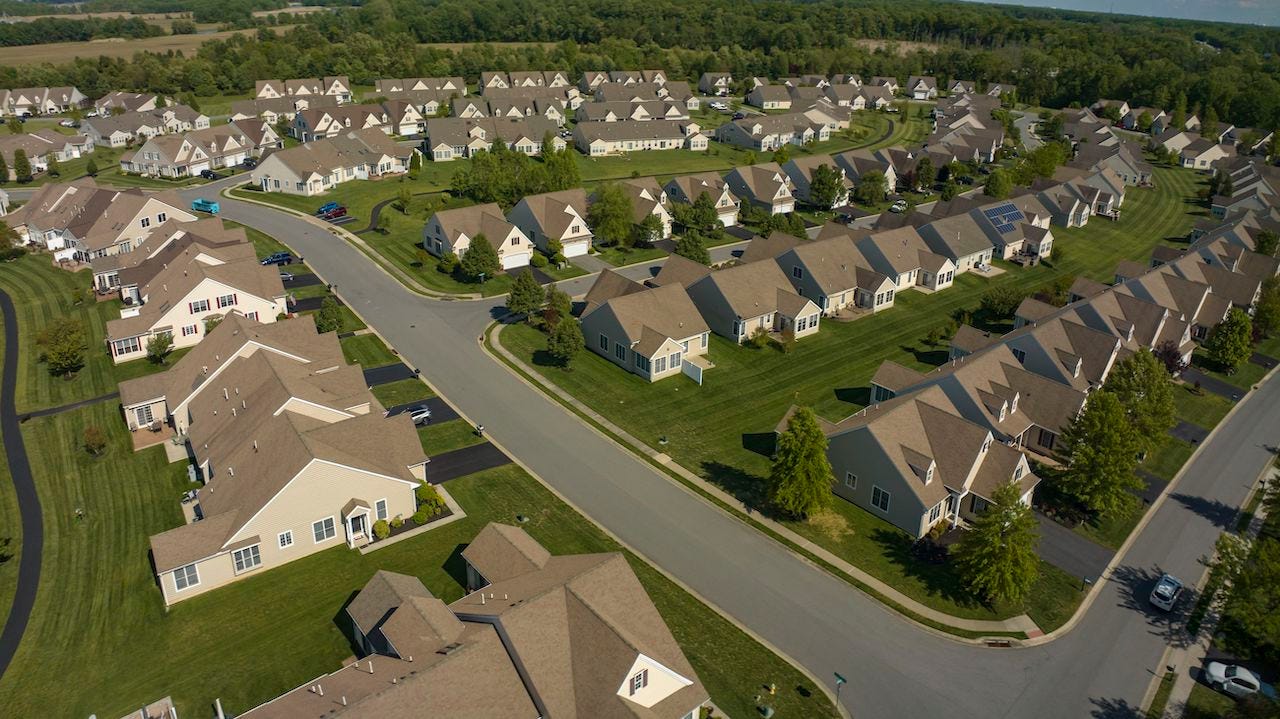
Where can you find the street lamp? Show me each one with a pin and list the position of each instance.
(840, 681)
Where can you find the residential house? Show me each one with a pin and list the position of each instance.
(314, 168)
(295, 459)
(1201, 154)
(857, 163)
(902, 255)
(800, 170)
(278, 109)
(741, 300)
(598, 139)
(336, 87)
(1002, 89)
(686, 189)
(555, 216)
(765, 185)
(120, 130)
(876, 97)
(921, 87)
(451, 138)
(193, 288)
(962, 87)
(1143, 119)
(79, 221)
(42, 146)
(389, 87)
(127, 102)
(648, 199)
(190, 153)
(327, 122)
(452, 231)
(260, 133)
(765, 133)
(1121, 158)
(834, 275)
(770, 97)
(124, 272)
(404, 117)
(959, 239)
(621, 111)
(576, 637)
(652, 332)
(718, 84)
(41, 100)
(889, 83)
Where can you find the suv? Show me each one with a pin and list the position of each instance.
(279, 258)
(210, 175)
(1236, 681)
(1166, 593)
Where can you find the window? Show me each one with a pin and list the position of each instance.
(146, 222)
(797, 272)
(285, 538)
(642, 362)
(1020, 355)
(935, 512)
(880, 499)
(198, 306)
(640, 680)
(850, 480)
(928, 474)
(986, 444)
(160, 218)
(704, 340)
(660, 365)
(620, 351)
(143, 415)
(184, 577)
(226, 300)
(190, 330)
(246, 559)
(323, 529)
(674, 360)
(253, 316)
(127, 346)
(685, 345)
(738, 328)
(801, 323)
(380, 509)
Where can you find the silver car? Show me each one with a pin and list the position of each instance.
(1236, 680)
(1166, 593)
(421, 416)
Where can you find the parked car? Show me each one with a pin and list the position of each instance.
(420, 415)
(1167, 592)
(249, 163)
(91, 113)
(203, 205)
(327, 207)
(210, 175)
(279, 258)
(739, 115)
(1236, 681)
(286, 276)
(68, 123)
(566, 134)
(899, 206)
(335, 213)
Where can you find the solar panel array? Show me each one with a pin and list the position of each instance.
(1004, 217)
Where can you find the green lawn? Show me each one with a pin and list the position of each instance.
(402, 392)
(438, 438)
(720, 430)
(1205, 409)
(98, 608)
(367, 351)
(41, 293)
(1205, 703)
(1111, 530)
(1158, 702)
(1245, 376)
(623, 256)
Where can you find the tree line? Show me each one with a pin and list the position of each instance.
(48, 29)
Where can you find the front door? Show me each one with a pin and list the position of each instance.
(357, 525)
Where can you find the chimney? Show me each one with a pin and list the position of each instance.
(255, 445)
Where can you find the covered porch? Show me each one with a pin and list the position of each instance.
(355, 521)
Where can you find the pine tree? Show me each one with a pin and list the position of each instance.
(15, 126)
(1228, 343)
(926, 174)
(997, 555)
(704, 215)
(800, 481)
(1144, 389)
(53, 169)
(692, 246)
(1266, 243)
(565, 341)
(526, 295)
(871, 188)
(479, 260)
(21, 165)
(647, 231)
(1101, 450)
(91, 168)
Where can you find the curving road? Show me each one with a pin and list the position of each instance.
(894, 668)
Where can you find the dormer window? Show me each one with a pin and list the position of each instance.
(986, 444)
(928, 474)
(1017, 473)
(1003, 410)
(639, 681)
(1013, 406)
(1076, 371)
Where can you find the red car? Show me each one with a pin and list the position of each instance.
(335, 213)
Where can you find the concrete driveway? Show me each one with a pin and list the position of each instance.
(895, 669)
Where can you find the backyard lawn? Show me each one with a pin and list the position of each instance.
(257, 638)
(723, 429)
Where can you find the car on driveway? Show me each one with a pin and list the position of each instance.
(1236, 681)
(286, 276)
(203, 205)
(210, 175)
(421, 415)
(899, 206)
(279, 258)
(249, 163)
(1166, 593)
(67, 123)
(326, 207)
(739, 115)
(335, 213)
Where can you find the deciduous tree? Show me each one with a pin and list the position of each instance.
(158, 347)
(692, 246)
(1101, 450)
(1170, 356)
(610, 215)
(95, 441)
(926, 174)
(1145, 391)
(800, 481)
(526, 296)
(21, 165)
(480, 260)
(1228, 342)
(997, 555)
(1267, 242)
(1266, 312)
(565, 341)
(825, 187)
(329, 318)
(871, 188)
(559, 306)
(999, 185)
(62, 344)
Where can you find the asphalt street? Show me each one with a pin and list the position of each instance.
(895, 669)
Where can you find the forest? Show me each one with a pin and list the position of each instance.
(48, 29)
(1056, 58)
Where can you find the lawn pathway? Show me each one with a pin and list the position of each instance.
(24, 597)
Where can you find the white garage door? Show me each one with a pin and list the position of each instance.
(199, 167)
(512, 260)
(577, 249)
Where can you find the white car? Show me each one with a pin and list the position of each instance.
(420, 415)
(68, 123)
(91, 113)
(1167, 592)
(1236, 680)
(899, 206)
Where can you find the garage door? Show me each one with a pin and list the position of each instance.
(577, 249)
(514, 260)
(199, 167)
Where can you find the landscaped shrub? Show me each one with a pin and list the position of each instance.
(429, 501)
(759, 338)
(538, 260)
(420, 517)
(381, 529)
(397, 522)
(448, 263)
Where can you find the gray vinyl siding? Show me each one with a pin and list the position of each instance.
(859, 453)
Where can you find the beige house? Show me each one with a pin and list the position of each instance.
(337, 87)
(42, 146)
(575, 637)
(770, 97)
(800, 171)
(451, 138)
(715, 83)
(765, 185)
(188, 154)
(295, 459)
(127, 101)
(611, 138)
(120, 130)
(686, 189)
(419, 84)
(404, 117)
(326, 122)
(79, 221)
(452, 231)
(739, 301)
(648, 198)
(277, 109)
(834, 275)
(314, 168)
(558, 216)
(124, 272)
(652, 332)
(765, 133)
(194, 287)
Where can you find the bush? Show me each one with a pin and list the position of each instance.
(448, 263)
(94, 440)
(429, 501)
(396, 522)
(759, 338)
(420, 517)
(381, 529)
(538, 260)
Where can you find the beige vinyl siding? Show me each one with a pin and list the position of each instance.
(858, 453)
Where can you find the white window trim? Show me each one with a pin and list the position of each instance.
(190, 584)
(386, 509)
(884, 493)
(850, 480)
(242, 552)
(321, 521)
(281, 537)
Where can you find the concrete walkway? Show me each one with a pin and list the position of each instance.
(1021, 623)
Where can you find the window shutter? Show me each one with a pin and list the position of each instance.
(234, 298)
(191, 308)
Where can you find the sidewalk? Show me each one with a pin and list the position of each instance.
(1187, 661)
(1021, 623)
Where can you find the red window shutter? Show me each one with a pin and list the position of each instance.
(191, 308)
(235, 299)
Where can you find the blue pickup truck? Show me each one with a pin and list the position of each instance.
(203, 205)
